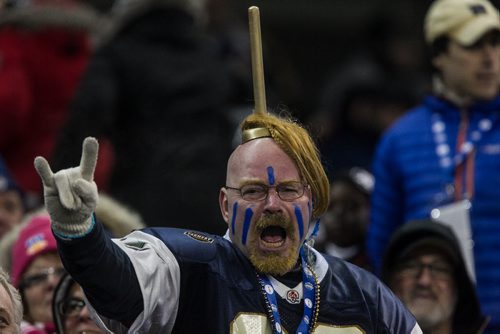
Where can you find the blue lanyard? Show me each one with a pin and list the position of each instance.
(310, 288)
(443, 150)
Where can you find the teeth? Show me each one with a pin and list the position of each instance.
(273, 244)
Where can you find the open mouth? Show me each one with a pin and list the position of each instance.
(273, 236)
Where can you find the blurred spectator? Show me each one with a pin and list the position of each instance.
(36, 271)
(364, 94)
(71, 314)
(159, 90)
(366, 109)
(117, 219)
(35, 265)
(11, 308)
(11, 200)
(444, 155)
(424, 267)
(44, 47)
(343, 226)
(230, 32)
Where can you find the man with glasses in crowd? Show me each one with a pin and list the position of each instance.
(425, 268)
(443, 156)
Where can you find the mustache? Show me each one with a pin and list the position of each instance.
(418, 290)
(275, 219)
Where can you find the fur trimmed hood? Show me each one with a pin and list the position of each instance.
(116, 217)
(125, 11)
(65, 14)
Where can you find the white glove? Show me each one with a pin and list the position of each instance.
(71, 194)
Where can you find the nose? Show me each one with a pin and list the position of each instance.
(53, 279)
(424, 278)
(84, 313)
(273, 201)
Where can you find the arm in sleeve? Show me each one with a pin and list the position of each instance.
(105, 273)
(138, 284)
(394, 317)
(387, 201)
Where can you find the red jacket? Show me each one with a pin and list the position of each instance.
(39, 72)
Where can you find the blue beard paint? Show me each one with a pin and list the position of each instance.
(233, 219)
(300, 222)
(270, 175)
(246, 225)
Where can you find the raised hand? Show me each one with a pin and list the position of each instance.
(71, 194)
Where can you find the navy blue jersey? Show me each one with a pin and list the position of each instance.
(219, 284)
(191, 281)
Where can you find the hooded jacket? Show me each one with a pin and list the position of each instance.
(467, 318)
(158, 90)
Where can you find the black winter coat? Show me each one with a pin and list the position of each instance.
(159, 92)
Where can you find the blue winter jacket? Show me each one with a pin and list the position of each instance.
(410, 182)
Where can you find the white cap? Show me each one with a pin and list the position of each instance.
(464, 21)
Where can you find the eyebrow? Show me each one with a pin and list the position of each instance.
(260, 181)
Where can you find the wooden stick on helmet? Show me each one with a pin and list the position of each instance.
(259, 89)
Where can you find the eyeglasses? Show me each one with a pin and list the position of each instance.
(439, 271)
(287, 191)
(71, 307)
(41, 277)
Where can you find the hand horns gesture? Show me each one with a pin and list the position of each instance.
(71, 194)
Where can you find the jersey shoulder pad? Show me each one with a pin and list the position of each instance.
(189, 244)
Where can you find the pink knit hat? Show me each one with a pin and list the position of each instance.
(34, 239)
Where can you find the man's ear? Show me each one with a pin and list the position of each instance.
(437, 61)
(224, 204)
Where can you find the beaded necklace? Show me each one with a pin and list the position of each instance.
(311, 300)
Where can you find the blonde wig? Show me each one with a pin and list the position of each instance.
(296, 142)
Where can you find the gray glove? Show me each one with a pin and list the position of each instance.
(71, 194)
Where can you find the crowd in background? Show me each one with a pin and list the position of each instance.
(163, 85)
(158, 85)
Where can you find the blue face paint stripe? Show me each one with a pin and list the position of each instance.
(270, 175)
(246, 225)
(300, 222)
(316, 228)
(233, 218)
